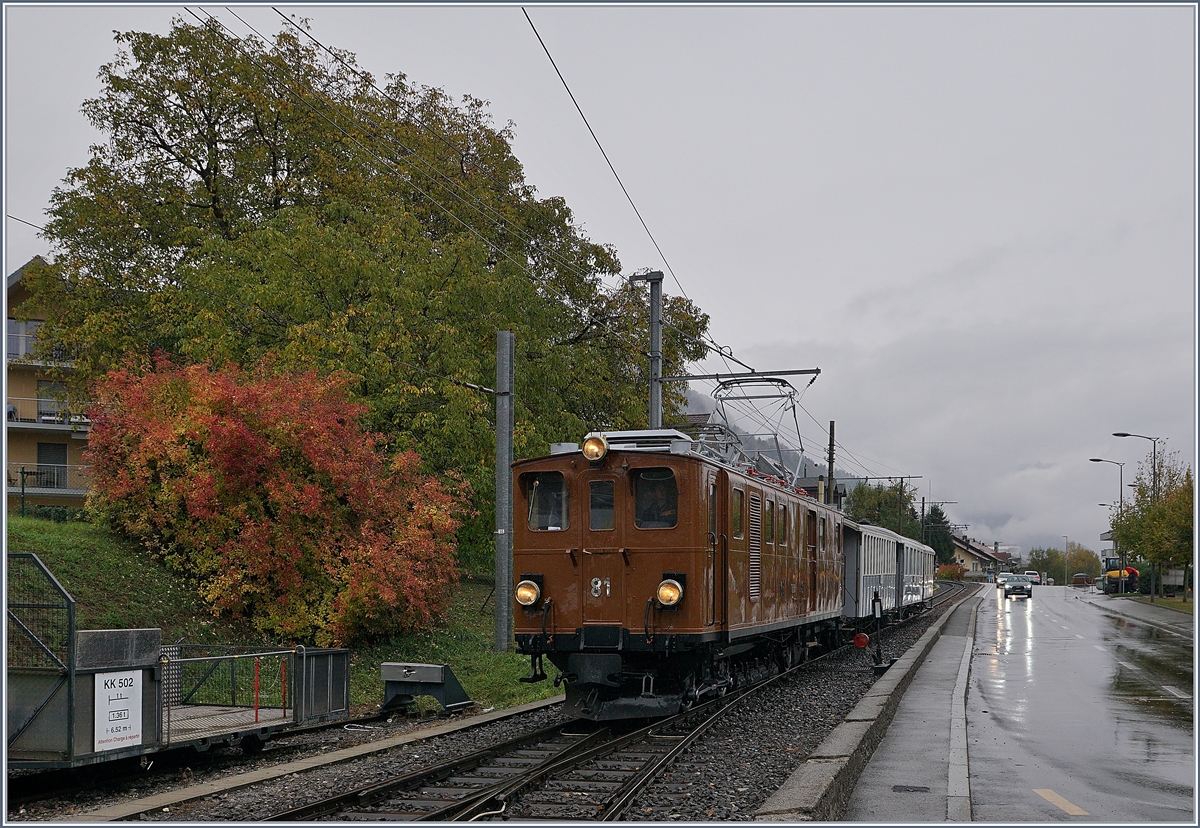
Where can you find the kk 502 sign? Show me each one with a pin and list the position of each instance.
(118, 709)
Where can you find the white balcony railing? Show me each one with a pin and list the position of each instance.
(47, 410)
(22, 346)
(48, 477)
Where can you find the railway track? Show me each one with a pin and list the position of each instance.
(574, 771)
(578, 770)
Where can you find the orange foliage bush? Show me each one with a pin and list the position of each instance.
(950, 572)
(262, 488)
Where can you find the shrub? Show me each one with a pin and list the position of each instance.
(950, 572)
(58, 514)
(262, 488)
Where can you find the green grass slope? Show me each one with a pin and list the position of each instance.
(118, 585)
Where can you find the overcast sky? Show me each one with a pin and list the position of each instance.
(978, 222)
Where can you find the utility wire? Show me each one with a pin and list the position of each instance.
(579, 109)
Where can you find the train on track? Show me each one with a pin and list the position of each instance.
(654, 569)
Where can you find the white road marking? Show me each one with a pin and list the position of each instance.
(1127, 665)
(1174, 692)
(1101, 649)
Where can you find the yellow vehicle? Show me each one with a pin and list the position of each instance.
(1118, 580)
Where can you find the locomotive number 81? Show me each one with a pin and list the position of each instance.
(652, 574)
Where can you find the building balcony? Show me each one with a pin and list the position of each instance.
(48, 479)
(20, 347)
(47, 413)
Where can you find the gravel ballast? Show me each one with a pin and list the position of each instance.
(725, 776)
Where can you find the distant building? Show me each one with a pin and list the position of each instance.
(45, 431)
(978, 559)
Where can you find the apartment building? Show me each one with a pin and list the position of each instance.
(45, 431)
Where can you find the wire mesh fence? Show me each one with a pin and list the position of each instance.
(209, 688)
(40, 616)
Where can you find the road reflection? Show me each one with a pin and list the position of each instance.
(1152, 670)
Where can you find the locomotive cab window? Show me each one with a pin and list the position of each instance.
(547, 501)
(600, 505)
(656, 498)
(735, 514)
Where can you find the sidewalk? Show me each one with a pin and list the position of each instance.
(869, 757)
(1171, 620)
(930, 723)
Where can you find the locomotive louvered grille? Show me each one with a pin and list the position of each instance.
(755, 546)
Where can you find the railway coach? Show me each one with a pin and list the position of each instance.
(885, 566)
(653, 570)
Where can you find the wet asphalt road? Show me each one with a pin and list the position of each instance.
(1076, 716)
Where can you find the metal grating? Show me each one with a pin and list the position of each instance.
(40, 616)
(755, 546)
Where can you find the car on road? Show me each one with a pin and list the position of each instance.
(1001, 577)
(1018, 586)
(1034, 576)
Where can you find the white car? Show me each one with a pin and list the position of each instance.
(1035, 577)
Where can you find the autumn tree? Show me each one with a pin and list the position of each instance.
(261, 489)
(888, 506)
(937, 534)
(1158, 530)
(259, 197)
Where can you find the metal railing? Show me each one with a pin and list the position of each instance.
(36, 478)
(23, 347)
(47, 410)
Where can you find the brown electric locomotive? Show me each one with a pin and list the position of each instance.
(652, 572)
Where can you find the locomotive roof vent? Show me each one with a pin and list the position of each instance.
(563, 448)
(659, 439)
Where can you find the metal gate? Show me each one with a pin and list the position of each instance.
(40, 659)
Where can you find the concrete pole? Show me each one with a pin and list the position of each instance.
(504, 494)
(829, 485)
(656, 410)
(655, 278)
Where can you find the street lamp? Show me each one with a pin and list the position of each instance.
(1153, 459)
(1120, 491)
(1120, 512)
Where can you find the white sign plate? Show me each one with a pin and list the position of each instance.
(118, 709)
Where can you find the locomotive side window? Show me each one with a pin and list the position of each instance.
(769, 521)
(547, 502)
(600, 505)
(783, 524)
(712, 508)
(735, 514)
(656, 499)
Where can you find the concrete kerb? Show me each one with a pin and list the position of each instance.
(820, 789)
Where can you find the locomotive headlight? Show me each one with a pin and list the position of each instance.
(595, 447)
(670, 592)
(527, 593)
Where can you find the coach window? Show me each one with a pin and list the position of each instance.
(769, 521)
(783, 524)
(547, 501)
(735, 514)
(656, 499)
(600, 505)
